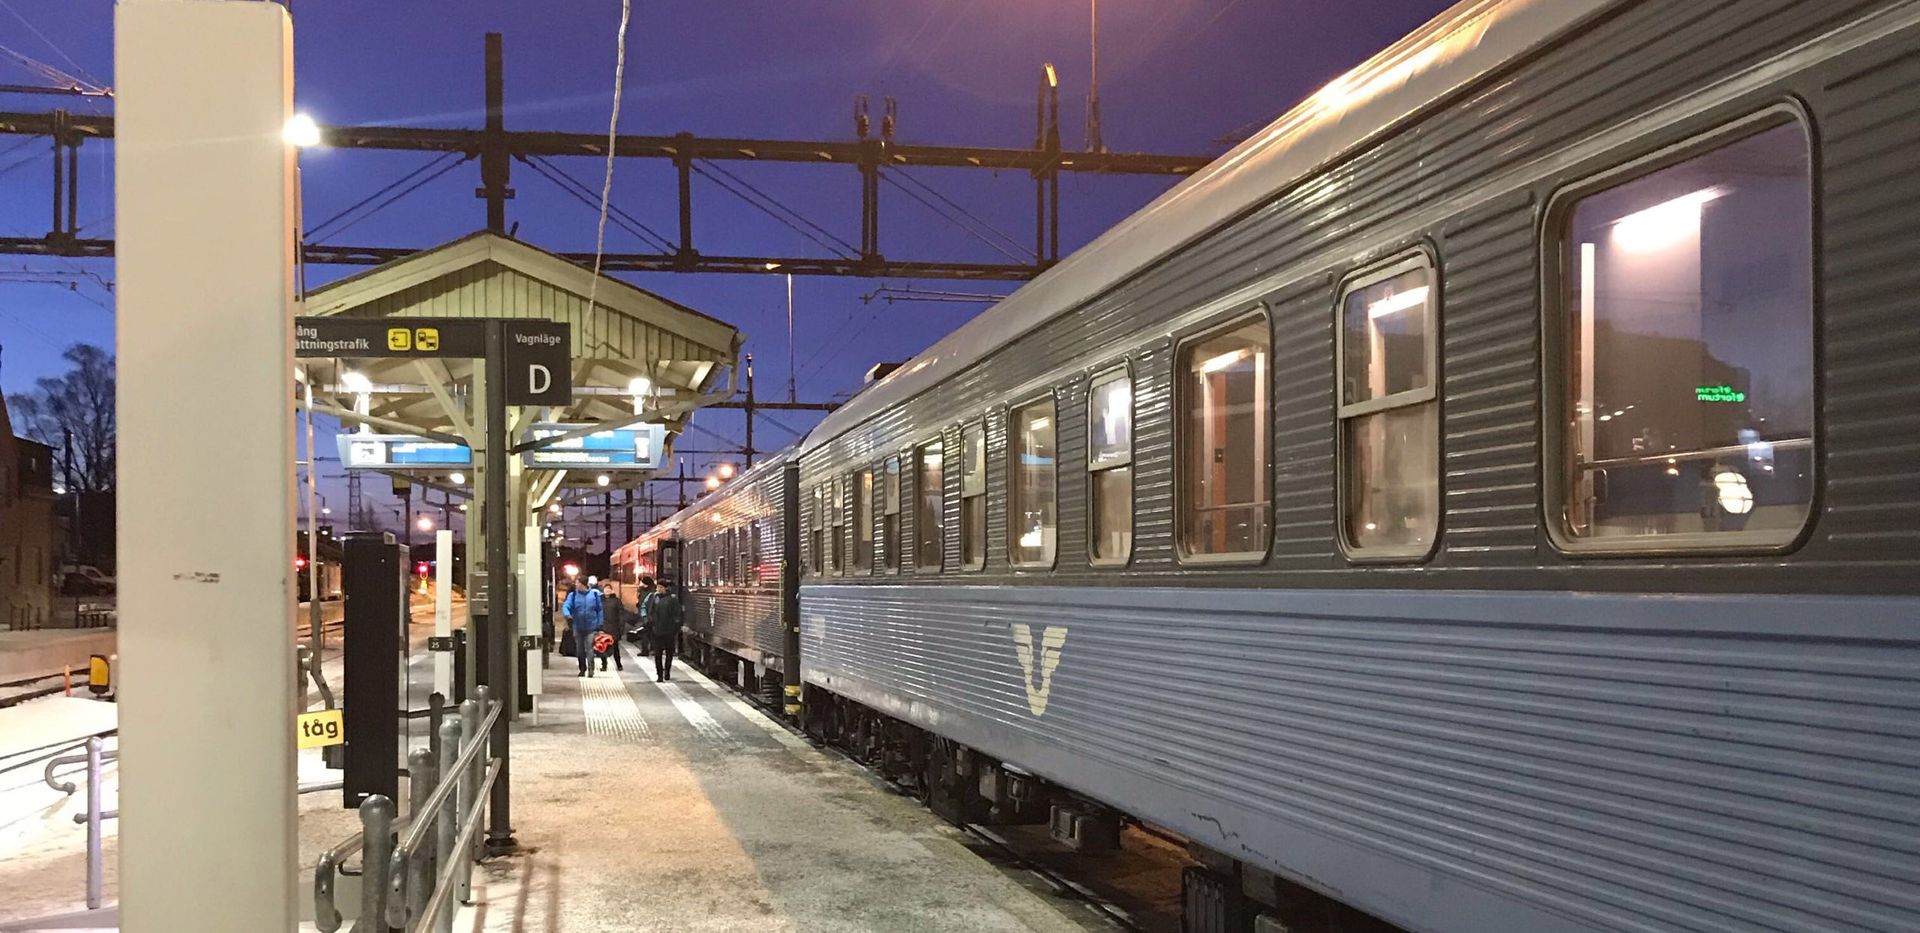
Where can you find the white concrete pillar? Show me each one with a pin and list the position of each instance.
(205, 196)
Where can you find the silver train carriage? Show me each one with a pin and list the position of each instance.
(1487, 496)
(726, 559)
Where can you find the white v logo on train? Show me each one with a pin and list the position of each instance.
(1039, 687)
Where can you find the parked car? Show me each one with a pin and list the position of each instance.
(84, 580)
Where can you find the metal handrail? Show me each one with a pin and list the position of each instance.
(445, 885)
(473, 741)
(68, 787)
(397, 861)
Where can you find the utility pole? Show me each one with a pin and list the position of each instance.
(792, 394)
(1094, 142)
(496, 164)
(749, 451)
(629, 514)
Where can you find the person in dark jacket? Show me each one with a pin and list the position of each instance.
(663, 622)
(583, 612)
(614, 619)
(640, 633)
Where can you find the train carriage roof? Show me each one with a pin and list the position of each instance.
(1456, 48)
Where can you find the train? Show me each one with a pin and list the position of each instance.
(1487, 498)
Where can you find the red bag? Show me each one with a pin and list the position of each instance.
(602, 643)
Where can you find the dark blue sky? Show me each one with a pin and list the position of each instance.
(1176, 77)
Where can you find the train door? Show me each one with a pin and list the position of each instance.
(670, 568)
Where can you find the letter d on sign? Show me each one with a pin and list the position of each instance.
(539, 358)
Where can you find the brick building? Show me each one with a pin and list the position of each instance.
(27, 529)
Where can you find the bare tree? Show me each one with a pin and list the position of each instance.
(74, 415)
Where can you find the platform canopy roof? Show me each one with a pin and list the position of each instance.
(686, 358)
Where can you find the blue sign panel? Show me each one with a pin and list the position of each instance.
(400, 452)
(635, 447)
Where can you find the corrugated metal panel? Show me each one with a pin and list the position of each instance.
(1491, 436)
(1603, 760)
(1870, 511)
(742, 618)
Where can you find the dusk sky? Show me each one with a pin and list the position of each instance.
(1177, 77)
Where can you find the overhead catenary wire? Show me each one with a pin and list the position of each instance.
(61, 80)
(966, 220)
(90, 83)
(773, 208)
(412, 181)
(580, 192)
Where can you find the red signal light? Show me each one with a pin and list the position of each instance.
(420, 569)
(299, 563)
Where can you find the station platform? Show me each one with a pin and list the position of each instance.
(639, 805)
(678, 806)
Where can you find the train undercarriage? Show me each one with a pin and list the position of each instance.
(1218, 894)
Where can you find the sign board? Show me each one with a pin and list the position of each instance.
(538, 354)
(368, 338)
(539, 358)
(400, 451)
(322, 728)
(635, 447)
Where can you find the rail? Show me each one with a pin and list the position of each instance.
(448, 800)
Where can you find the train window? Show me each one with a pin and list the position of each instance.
(1686, 328)
(863, 521)
(890, 522)
(1224, 486)
(1389, 410)
(836, 528)
(816, 554)
(929, 507)
(973, 496)
(1110, 467)
(1033, 502)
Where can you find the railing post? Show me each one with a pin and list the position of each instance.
(93, 823)
(447, 826)
(470, 715)
(436, 711)
(422, 775)
(376, 827)
(326, 916)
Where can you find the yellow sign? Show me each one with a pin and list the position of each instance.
(326, 727)
(426, 339)
(399, 339)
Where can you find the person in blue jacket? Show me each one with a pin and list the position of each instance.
(583, 611)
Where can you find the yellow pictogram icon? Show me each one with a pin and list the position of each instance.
(399, 339)
(426, 339)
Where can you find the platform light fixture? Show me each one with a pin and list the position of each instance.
(424, 523)
(726, 471)
(301, 131)
(713, 482)
(458, 479)
(603, 480)
(554, 508)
